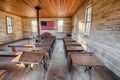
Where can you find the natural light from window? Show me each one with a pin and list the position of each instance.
(88, 20)
(60, 25)
(34, 25)
(9, 25)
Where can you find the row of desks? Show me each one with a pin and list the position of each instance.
(27, 58)
(78, 57)
(30, 54)
(47, 45)
(72, 46)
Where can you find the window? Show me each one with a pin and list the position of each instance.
(60, 25)
(88, 20)
(34, 25)
(9, 25)
(75, 24)
(74, 29)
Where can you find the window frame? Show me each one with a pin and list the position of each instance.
(60, 25)
(87, 21)
(33, 31)
(7, 26)
(75, 24)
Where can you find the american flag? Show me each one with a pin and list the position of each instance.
(47, 25)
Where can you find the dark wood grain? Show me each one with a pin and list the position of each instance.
(72, 44)
(74, 48)
(31, 56)
(18, 45)
(69, 40)
(85, 59)
(46, 48)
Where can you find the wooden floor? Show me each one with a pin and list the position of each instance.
(57, 69)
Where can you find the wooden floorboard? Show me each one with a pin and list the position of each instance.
(58, 65)
(57, 70)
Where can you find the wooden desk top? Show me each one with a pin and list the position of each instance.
(69, 40)
(31, 56)
(46, 42)
(67, 37)
(26, 46)
(74, 48)
(42, 45)
(84, 52)
(72, 44)
(38, 47)
(2, 72)
(85, 59)
(46, 48)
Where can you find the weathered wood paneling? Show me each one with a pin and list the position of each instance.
(104, 38)
(17, 28)
(106, 31)
(67, 27)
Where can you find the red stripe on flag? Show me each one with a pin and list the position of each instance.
(49, 26)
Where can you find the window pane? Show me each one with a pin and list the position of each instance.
(89, 11)
(88, 20)
(88, 28)
(34, 25)
(75, 25)
(9, 24)
(9, 29)
(9, 21)
(60, 25)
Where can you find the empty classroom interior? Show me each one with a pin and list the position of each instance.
(59, 39)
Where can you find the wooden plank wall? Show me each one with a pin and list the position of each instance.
(104, 38)
(67, 25)
(22, 27)
(17, 28)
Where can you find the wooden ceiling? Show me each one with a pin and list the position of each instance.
(50, 8)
